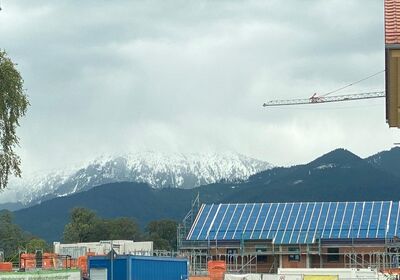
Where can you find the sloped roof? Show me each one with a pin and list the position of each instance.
(296, 222)
(392, 21)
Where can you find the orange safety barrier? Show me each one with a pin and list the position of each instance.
(28, 261)
(48, 260)
(5, 267)
(82, 263)
(199, 278)
(393, 271)
(69, 263)
(216, 270)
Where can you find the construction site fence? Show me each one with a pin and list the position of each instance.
(50, 261)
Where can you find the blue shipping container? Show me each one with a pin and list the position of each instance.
(137, 268)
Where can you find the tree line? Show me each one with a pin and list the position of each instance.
(85, 226)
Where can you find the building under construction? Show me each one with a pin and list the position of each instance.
(262, 237)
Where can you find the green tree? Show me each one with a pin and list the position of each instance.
(85, 226)
(82, 226)
(163, 234)
(11, 235)
(124, 229)
(13, 105)
(37, 243)
(101, 230)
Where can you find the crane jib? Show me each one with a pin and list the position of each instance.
(326, 99)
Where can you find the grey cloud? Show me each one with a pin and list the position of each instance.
(112, 76)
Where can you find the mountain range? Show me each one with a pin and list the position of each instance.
(336, 176)
(158, 170)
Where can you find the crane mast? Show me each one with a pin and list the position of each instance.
(315, 99)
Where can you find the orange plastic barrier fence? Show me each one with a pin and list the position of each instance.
(394, 271)
(216, 270)
(48, 260)
(28, 261)
(69, 263)
(199, 278)
(82, 263)
(5, 267)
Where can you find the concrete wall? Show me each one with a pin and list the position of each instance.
(55, 275)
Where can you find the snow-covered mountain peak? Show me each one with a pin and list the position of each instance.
(159, 170)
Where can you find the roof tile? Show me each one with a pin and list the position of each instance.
(392, 21)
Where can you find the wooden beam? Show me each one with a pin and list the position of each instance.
(393, 87)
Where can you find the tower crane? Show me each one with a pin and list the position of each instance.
(317, 99)
(324, 98)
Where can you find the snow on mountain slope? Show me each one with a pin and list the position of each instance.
(159, 170)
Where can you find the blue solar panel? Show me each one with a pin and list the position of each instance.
(337, 220)
(234, 222)
(297, 224)
(207, 223)
(222, 228)
(313, 223)
(241, 226)
(283, 223)
(355, 225)
(321, 221)
(346, 220)
(373, 223)
(291, 223)
(272, 230)
(252, 221)
(393, 218)
(383, 220)
(218, 218)
(201, 218)
(326, 230)
(260, 221)
(235, 216)
(268, 221)
(365, 220)
(302, 230)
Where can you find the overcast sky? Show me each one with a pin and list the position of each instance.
(106, 77)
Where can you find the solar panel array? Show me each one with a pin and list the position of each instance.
(296, 223)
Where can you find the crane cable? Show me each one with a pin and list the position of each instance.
(351, 84)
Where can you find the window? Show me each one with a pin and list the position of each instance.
(333, 254)
(261, 255)
(294, 257)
